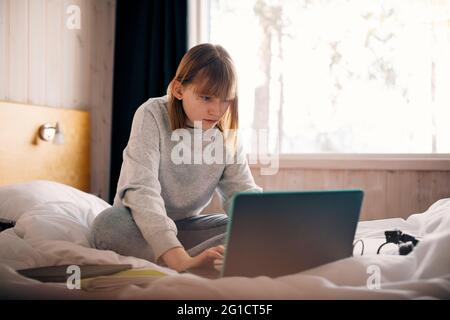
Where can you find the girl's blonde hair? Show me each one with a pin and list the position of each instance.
(210, 68)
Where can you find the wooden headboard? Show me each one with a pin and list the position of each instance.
(25, 157)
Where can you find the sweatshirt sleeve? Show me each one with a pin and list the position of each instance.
(139, 188)
(236, 177)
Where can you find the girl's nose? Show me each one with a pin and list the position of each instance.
(216, 109)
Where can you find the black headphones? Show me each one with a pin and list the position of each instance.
(406, 242)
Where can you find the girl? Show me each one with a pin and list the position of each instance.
(156, 210)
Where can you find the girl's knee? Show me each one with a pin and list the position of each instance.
(104, 231)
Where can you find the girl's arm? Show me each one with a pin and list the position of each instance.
(139, 188)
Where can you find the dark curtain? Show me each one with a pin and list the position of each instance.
(151, 39)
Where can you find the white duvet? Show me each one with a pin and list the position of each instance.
(56, 233)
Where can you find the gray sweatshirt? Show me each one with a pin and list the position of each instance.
(159, 191)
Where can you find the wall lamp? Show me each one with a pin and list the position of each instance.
(47, 132)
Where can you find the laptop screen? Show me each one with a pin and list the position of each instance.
(280, 233)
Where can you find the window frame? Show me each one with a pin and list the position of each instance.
(351, 161)
(198, 32)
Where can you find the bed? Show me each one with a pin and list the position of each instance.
(52, 223)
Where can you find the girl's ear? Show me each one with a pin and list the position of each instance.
(177, 89)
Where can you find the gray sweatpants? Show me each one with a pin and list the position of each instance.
(115, 229)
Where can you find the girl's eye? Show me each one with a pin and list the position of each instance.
(205, 98)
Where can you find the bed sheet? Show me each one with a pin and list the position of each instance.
(56, 233)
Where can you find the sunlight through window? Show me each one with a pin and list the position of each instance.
(340, 76)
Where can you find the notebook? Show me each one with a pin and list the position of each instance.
(141, 276)
(62, 272)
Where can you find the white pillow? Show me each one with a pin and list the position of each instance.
(16, 199)
(63, 221)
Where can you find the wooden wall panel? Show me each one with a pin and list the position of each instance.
(388, 194)
(4, 49)
(18, 50)
(24, 157)
(37, 52)
(42, 62)
(53, 53)
(75, 59)
(432, 185)
(102, 57)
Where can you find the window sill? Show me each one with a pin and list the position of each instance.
(416, 162)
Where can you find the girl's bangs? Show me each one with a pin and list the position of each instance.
(216, 79)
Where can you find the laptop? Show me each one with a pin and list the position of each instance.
(280, 233)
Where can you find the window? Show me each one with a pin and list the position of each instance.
(339, 76)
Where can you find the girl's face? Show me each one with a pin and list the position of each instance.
(201, 107)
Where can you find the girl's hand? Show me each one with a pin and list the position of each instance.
(179, 260)
(208, 258)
